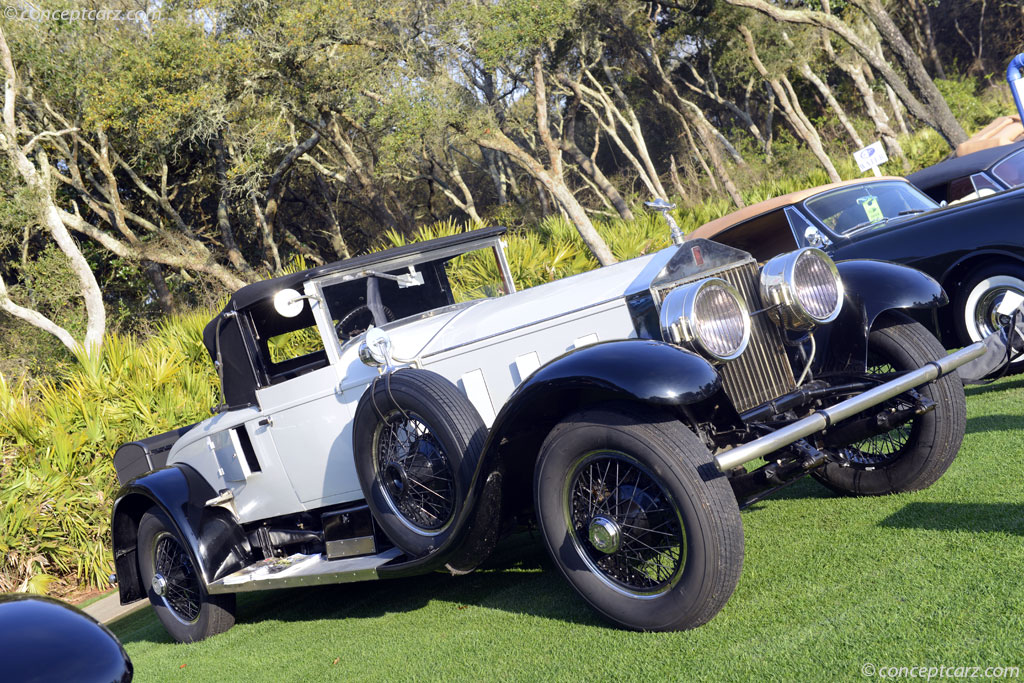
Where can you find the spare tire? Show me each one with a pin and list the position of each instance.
(417, 441)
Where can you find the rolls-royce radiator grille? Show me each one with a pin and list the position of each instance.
(762, 372)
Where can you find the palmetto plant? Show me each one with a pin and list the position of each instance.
(57, 441)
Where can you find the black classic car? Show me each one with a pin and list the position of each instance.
(975, 250)
(973, 176)
(621, 409)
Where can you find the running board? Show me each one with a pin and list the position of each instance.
(316, 571)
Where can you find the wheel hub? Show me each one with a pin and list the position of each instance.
(605, 534)
(986, 316)
(159, 584)
(396, 480)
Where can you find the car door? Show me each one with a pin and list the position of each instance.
(310, 422)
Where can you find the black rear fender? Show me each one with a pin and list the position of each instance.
(216, 543)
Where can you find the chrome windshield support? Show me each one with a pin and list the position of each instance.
(829, 416)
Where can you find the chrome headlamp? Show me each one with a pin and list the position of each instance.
(709, 316)
(803, 287)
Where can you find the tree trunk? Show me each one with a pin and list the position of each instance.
(594, 173)
(338, 243)
(674, 174)
(227, 234)
(269, 245)
(826, 92)
(688, 114)
(275, 187)
(500, 142)
(791, 108)
(875, 112)
(96, 316)
(924, 21)
(934, 111)
(911, 63)
(496, 176)
(700, 157)
(163, 293)
(897, 110)
(609, 193)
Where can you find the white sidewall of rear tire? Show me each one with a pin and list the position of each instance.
(971, 304)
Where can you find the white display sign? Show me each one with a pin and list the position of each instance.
(871, 157)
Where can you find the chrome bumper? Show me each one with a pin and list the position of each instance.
(844, 409)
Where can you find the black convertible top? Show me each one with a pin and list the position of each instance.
(265, 289)
(958, 167)
(238, 378)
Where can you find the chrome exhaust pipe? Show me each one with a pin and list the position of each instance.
(826, 417)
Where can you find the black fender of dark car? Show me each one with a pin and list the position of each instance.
(871, 288)
(48, 640)
(643, 371)
(217, 545)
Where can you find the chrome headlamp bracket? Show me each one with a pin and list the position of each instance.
(375, 349)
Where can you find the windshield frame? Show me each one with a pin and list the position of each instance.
(807, 206)
(314, 288)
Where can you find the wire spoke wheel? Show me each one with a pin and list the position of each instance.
(415, 471)
(913, 455)
(624, 523)
(888, 446)
(178, 584)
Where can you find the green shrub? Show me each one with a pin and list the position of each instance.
(57, 440)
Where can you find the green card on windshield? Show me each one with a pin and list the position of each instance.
(871, 208)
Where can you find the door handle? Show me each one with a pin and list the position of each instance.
(265, 422)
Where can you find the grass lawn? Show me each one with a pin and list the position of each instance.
(829, 584)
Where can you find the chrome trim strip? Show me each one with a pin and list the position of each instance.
(844, 409)
(320, 573)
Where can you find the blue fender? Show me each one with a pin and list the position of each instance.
(216, 544)
(872, 288)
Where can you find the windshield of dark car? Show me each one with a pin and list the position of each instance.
(867, 205)
(1011, 169)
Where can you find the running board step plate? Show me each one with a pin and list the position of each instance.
(316, 571)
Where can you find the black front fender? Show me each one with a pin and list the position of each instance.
(635, 370)
(216, 544)
(872, 288)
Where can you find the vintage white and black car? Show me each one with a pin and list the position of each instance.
(630, 412)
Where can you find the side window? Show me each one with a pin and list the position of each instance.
(798, 223)
(288, 347)
(981, 182)
(1011, 169)
(291, 345)
(959, 188)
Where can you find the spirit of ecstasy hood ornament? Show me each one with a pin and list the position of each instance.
(663, 207)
